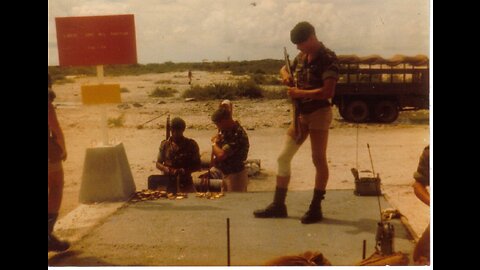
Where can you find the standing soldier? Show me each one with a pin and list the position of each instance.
(315, 73)
(57, 153)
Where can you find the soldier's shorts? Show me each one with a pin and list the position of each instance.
(318, 120)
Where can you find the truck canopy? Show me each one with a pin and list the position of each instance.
(418, 60)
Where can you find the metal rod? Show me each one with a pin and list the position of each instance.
(379, 205)
(228, 241)
(356, 158)
(378, 191)
(364, 252)
(178, 184)
(153, 118)
(104, 124)
(103, 113)
(371, 161)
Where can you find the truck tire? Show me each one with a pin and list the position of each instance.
(342, 112)
(356, 111)
(386, 111)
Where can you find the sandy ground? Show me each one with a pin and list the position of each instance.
(395, 148)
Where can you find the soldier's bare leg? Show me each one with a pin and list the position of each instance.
(290, 148)
(319, 140)
(55, 194)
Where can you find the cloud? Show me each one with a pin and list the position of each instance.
(192, 30)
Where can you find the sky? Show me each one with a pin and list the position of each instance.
(236, 30)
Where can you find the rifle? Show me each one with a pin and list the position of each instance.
(176, 177)
(168, 127)
(295, 102)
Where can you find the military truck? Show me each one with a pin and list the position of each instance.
(375, 89)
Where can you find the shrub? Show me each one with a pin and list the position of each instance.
(116, 121)
(163, 82)
(249, 89)
(163, 92)
(277, 93)
(265, 79)
(212, 91)
(246, 88)
(257, 78)
(272, 80)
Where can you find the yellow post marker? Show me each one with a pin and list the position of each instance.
(101, 94)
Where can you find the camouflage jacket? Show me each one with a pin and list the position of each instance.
(183, 154)
(422, 174)
(311, 75)
(235, 144)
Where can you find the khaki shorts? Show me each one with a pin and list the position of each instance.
(317, 120)
(236, 181)
(54, 166)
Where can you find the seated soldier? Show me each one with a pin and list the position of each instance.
(230, 149)
(421, 253)
(179, 156)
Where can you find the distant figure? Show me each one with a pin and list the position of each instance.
(56, 154)
(179, 156)
(230, 149)
(421, 253)
(189, 77)
(315, 71)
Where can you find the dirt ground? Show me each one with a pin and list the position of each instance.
(395, 148)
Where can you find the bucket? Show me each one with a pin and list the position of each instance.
(366, 186)
(205, 185)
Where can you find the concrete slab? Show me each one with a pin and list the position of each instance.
(192, 232)
(106, 175)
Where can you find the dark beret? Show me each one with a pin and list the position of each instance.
(178, 123)
(301, 32)
(220, 114)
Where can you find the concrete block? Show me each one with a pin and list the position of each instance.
(106, 175)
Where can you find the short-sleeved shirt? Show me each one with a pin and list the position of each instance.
(182, 154)
(236, 145)
(312, 75)
(422, 175)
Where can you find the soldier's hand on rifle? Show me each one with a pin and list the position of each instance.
(217, 138)
(286, 78)
(173, 171)
(168, 170)
(293, 92)
(179, 171)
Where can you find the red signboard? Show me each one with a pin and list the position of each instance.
(96, 40)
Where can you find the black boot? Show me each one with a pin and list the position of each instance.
(55, 244)
(314, 213)
(277, 209)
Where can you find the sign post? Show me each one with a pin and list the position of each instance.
(98, 41)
